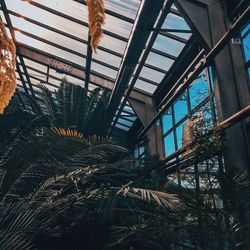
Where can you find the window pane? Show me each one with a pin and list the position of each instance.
(107, 58)
(48, 18)
(173, 21)
(168, 45)
(125, 122)
(180, 108)
(127, 8)
(159, 61)
(179, 135)
(167, 121)
(122, 127)
(50, 49)
(151, 75)
(246, 41)
(103, 70)
(198, 92)
(169, 144)
(49, 35)
(145, 86)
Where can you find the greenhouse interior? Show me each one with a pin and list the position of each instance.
(125, 124)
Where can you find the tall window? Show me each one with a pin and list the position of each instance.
(198, 98)
(245, 36)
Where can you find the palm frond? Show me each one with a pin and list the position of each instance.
(103, 153)
(50, 103)
(67, 133)
(161, 198)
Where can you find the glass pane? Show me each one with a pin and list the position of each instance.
(67, 7)
(180, 108)
(128, 109)
(167, 121)
(35, 65)
(131, 118)
(181, 34)
(127, 8)
(173, 21)
(45, 17)
(198, 92)
(211, 77)
(50, 49)
(35, 74)
(122, 127)
(113, 44)
(136, 153)
(103, 70)
(246, 41)
(152, 75)
(159, 61)
(168, 45)
(145, 86)
(125, 122)
(80, 12)
(49, 35)
(141, 150)
(108, 58)
(179, 135)
(169, 144)
(121, 27)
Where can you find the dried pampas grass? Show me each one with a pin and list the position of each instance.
(96, 21)
(7, 68)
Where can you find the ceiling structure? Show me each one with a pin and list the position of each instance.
(144, 43)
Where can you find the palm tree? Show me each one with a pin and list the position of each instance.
(75, 185)
(72, 107)
(68, 107)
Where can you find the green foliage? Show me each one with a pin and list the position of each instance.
(65, 187)
(72, 107)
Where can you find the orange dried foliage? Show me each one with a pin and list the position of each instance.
(96, 21)
(7, 68)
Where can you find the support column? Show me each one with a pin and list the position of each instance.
(145, 112)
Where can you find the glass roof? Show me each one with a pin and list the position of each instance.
(59, 29)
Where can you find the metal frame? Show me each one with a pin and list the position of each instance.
(146, 28)
(202, 63)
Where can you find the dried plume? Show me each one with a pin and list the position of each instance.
(7, 68)
(96, 21)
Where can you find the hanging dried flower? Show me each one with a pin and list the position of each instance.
(7, 68)
(96, 21)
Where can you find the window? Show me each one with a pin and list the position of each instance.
(198, 91)
(167, 121)
(245, 36)
(169, 144)
(180, 108)
(198, 98)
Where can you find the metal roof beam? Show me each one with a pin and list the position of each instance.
(70, 69)
(159, 24)
(88, 63)
(147, 16)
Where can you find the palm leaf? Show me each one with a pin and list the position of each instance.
(162, 199)
(50, 103)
